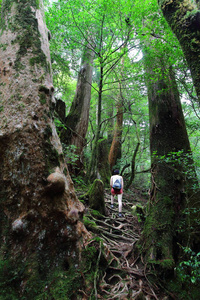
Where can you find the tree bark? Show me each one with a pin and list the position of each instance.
(133, 166)
(76, 121)
(171, 184)
(115, 149)
(103, 164)
(96, 196)
(184, 20)
(116, 146)
(93, 166)
(39, 211)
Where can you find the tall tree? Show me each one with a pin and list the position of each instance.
(116, 146)
(172, 169)
(40, 228)
(76, 121)
(184, 19)
(100, 21)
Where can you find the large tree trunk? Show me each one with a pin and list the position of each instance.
(171, 186)
(184, 19)
(132, 176)
(115, 149)
(103, 164)
(93, 165)
(116, 146)
(40, 227)
(78, 117)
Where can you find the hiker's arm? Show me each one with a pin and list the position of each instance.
(111, 181)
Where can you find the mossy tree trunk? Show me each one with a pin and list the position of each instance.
(96, 196)
(39, 211)
(76, 121)
(116, 146)
(133, 166)
(184, 19)
(103, 164)
(171, 184)
(115, 153)
(93, 165)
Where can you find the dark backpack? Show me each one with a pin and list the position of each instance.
(117, 185)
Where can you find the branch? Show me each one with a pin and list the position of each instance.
(114, 64)
(133, 165)
(145, 171)
(80, 28)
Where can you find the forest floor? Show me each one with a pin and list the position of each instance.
(126, 276)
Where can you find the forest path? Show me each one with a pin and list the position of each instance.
(126, 275)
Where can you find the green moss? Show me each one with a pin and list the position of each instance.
(25, 24)
(9, 277)
(34, 60)
(42, 98)
(65, 171)
(15, 98)
(88, 223)
(96, 196)
(3, 46)
(182, 291)
(65, 285)
(96, 213)
(37, 4)
(47, 132)
(53, 157)
(165, 263)
(20, 106)
(27, 279)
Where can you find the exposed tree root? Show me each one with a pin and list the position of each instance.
(126, 276)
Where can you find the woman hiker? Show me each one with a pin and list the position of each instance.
(117, 184)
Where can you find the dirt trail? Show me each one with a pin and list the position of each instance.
(126, 275)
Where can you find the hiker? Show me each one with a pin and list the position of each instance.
(117, 184)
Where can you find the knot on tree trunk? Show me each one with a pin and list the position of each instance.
(56, 182)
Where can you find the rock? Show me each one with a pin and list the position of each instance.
(138, 211)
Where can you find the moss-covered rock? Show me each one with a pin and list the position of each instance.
(138, 211)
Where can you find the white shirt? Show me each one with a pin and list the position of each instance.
(114, 177)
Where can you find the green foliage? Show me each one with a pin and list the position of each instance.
(179, 161)
(9, 278)
(80, 184)
(188, 270)
(70, 154)
(59, 125)
(96, 20)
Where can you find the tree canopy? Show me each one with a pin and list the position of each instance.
(114, 31)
